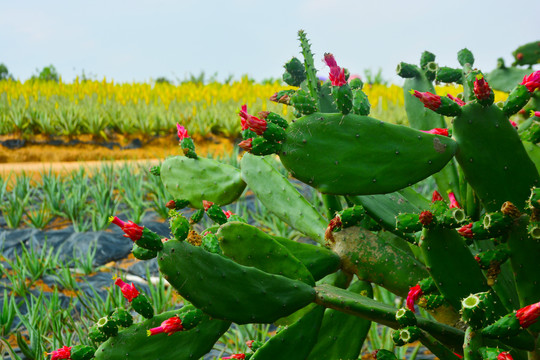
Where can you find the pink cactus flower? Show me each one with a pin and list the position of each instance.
(436, 196)
(535, 113)
(437, 131)
(414, 293)
(430, 101)
(169, 326)
(528, 315)
(228, 213)
(481, 88)
(129, 291)
(182, 132)
(466, 231)
(456, 100)
(337, 74)
(532, 81)
(132, 230)
(453, 201)
(62, 353)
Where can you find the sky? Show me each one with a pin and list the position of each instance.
(141, 40)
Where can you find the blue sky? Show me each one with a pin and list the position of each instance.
(139, 40)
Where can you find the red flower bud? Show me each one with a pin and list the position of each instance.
(249, 343)
(505, 355)
(414, 293)
(532, 81)
(535, 113)
(246, 145)
(456, 100)
(182, 132)
(206, 204)
(430, 101)
(235, 356)
(425, 218)
(437, 131)
(132, 230)
(228, 213)
(528, 315)
(169, 326)
(170, 204)
(243, 117)
(62, 353)
(481, 88)
(515, 125)
(129, 291)
(519, 56)
(466, 231)
(257, 125)
(436, 196)
(337, 74)
(453, 201)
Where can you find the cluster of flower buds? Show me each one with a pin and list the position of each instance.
(262, 135)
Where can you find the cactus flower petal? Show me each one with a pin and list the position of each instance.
(414, 293)
(453, 201)
(228, 213)
(169, 326)
(456, 100)
(132, 230)
(182, 132)
(243, 117)
(337, 74)
(430, 101)
(528, 315)
(63, 353)
(129, 291)
(437, 131)
(532, 81)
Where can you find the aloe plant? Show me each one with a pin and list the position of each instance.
(468, 256)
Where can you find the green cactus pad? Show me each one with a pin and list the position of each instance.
(505, 79)
(489, 129)
(317, 259)
(454, 279)
(334, 336)
(249, 246)
(226, 290)
(201, 179)
(134, 343)
(373, 259)
(530, 54)
(281, 198)
(82, 352)
(296, 341)
(359, 155)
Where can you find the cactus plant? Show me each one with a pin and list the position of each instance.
(469, 256)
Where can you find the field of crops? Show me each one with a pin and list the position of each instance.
(104, 108)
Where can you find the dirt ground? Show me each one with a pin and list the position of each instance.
(34, 158)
